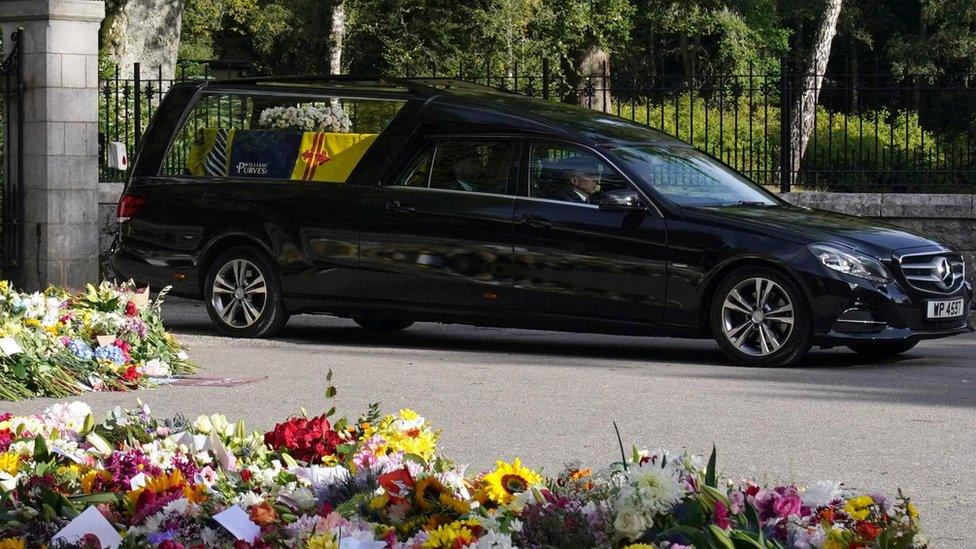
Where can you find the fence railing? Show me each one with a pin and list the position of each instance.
(869, 132)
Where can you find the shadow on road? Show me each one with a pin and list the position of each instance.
(940, 373)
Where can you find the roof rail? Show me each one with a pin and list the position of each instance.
(419, 85)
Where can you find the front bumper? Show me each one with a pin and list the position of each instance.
(850, 310)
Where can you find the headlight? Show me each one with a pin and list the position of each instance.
(851, 263)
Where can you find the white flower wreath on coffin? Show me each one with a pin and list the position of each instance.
(312, 117)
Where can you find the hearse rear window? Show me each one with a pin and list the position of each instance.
(277, 137)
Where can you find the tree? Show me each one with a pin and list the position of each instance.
(583, 34)
(145, 32)
(805, 106)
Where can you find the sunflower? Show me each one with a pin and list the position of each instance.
(431, 489)
(159, 485)
(12, 543)
(508, 480)
(456, 534)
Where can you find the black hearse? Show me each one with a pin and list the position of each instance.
(392, 201)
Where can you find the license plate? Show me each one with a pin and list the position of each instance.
(946, 308)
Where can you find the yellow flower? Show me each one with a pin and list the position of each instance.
(161, 484)
(9, 463)
(509, 480)
(379, 502)
(88, 479)
(325, 541)
(640, 546)
(912, 510)
(455, 534)
(12, 543)
(859, 507)
(431, 489)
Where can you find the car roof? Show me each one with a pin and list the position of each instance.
(450, 101)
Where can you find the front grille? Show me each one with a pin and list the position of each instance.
(914, 318)
(934, 272)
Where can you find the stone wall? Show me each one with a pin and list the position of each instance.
(60, 118)
(948, 218)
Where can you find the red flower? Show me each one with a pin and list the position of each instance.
(867, 530)
(396, 482)
(131, 374)
(125, 348)
(170, 544)
(6, 437)
(246, 475)
(306, 439)
(131, 309)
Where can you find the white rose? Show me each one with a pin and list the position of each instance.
(203, 425)
(629, 523)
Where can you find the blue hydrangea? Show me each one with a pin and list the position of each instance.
(110, 352)
(80, 349)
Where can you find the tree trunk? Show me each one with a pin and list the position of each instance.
(337, 35)
(593, 90)
(805, 106)
(145, 32)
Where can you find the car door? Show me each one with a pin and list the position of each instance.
(574, 258)
(440, 232)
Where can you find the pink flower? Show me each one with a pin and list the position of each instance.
(737, 502)
(786, 505)
(721, 516)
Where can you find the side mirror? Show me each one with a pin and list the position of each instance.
(117, 157)
(621, 201)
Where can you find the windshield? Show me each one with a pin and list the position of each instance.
(689, 177)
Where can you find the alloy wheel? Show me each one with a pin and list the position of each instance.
(757, 316)
(240, 293)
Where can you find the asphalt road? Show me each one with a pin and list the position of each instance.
(549, 398)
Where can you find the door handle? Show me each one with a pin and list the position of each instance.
(396, 207)
(536, 222)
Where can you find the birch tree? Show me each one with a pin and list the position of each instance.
(805, 105)
(337, 35)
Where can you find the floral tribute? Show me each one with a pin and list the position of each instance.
(313, 117)
(58, 343)
(380, 482)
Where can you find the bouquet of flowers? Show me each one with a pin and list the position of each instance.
(379, 482)
(59, 343)
(311, 117)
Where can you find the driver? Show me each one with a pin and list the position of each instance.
(578, 186)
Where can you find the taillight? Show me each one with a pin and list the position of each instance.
(129, 206)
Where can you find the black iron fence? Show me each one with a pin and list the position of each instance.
(11, 159)
(913, 133)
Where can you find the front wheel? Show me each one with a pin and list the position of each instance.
(881, 350)
(759, 317)
(243, 294)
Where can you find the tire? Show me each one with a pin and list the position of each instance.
(881, 350)
(239, 313)
(383, 324)
(779, 334)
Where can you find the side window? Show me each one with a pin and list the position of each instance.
(417, 173)
(570, 174)
(474, 166)
(275, 137)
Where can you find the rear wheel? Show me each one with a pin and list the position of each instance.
(243, 294)
(879, 349)
(760, 318)
(383, 324)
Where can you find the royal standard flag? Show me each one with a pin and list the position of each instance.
(330, 157)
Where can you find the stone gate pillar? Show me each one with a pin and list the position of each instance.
(60, 137)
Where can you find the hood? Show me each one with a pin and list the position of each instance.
(806, 226)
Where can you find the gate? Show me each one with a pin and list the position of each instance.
(11, 160)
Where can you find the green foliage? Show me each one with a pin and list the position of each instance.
(857, 151)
